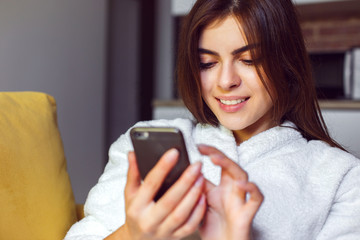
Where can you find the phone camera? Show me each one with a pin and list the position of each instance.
(141, 135)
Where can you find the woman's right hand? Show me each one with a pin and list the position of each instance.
(229, 213)
(176, 214)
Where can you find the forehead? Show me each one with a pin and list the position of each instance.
(225, 31)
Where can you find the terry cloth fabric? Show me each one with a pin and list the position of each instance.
(312, 190)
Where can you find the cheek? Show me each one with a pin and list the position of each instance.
(265, 96)
(249, 73)
(255, 83)
(205, 82)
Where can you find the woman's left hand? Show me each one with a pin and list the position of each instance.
(230, 214)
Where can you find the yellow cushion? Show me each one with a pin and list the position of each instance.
(36, 198)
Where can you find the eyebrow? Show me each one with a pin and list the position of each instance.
(235, 52)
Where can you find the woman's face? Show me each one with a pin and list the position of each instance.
(230, 84)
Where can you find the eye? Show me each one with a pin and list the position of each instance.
(248, 62)
(206, 66)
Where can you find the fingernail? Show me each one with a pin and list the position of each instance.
(172, 154)
(201, 147)
(195, 168)
(217, 156)
(199, 181)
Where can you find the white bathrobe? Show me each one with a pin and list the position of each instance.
(312, 191)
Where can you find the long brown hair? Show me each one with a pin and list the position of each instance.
(273, 26)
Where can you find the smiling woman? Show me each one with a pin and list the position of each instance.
(244, 74)
(263, 40)
(230, 84)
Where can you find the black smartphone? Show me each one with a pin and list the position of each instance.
(150, 143)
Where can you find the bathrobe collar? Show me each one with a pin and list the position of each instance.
(258, 145)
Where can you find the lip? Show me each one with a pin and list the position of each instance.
(234, 107)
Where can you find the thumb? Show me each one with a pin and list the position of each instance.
(208, 186)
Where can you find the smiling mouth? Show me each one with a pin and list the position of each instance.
(232, 102)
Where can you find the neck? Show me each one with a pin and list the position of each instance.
(261, 125)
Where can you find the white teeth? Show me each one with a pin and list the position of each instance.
(232, 102)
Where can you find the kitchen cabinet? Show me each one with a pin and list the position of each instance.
(315, 1)
(343, 127)
(181, 7)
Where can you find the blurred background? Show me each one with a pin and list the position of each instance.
(110, 63)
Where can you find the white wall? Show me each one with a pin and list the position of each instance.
(58, 47)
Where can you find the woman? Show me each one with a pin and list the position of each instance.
(244, 74)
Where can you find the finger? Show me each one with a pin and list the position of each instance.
(208, 150)
(176, 193)
(256, 198)
(227, 165)
(239, 192)
(183, 210)
(156, 176)
(179, 189)
(133, 177)
(194, 221)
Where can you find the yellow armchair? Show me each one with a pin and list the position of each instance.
(36, 197)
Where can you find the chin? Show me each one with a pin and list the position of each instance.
(233, 124)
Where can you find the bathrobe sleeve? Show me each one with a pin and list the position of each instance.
(343, 221)
(105, 208)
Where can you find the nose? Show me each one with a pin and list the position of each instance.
(229, 78)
